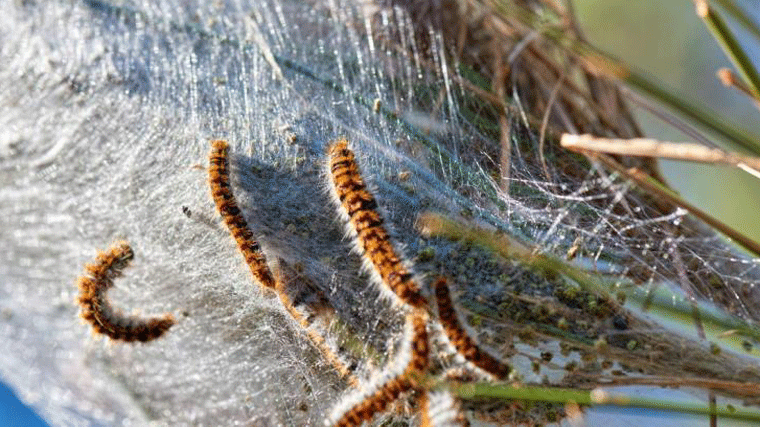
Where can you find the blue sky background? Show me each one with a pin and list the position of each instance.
(13, 413)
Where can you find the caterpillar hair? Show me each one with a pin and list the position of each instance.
(317, 339)
(221, 191)
(412, 362)
(441, 409)
(459, 338)
(359, 208)
(97, 310)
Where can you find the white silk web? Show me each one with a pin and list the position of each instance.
(108, 110)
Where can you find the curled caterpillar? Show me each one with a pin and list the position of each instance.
(221, 191)
(359, 207)
(459, 338)
(412, 363)
(97, 310)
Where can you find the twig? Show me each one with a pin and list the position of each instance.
(594, 397)
(729, 44)
(545, 122)
(645, 147)
(740, 16)
(728, 78)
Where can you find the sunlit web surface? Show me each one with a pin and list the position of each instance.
(110, 107)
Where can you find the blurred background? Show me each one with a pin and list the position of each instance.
(669, 42)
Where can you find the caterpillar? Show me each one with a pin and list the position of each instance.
(413, 359)
(441, 409)
(97, 310)
(459, 338)
(316, 339)
(221, 191)
(359, 209)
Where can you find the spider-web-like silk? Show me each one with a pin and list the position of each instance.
(108, 108)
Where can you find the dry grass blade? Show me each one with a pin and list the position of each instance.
(741, 17)
(510, 46)
(647, 147)
(730, 45)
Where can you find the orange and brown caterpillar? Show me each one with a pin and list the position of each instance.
(221, 191)
(99, 313)
(366, 224)
(414, 360)
(459, 338)
(316, 339)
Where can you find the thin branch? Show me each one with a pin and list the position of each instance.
(645, 147)
(729, 44)
(728, 78)
(594, 397)
(740, 16)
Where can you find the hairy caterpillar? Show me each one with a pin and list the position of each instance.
(359, 208)
(221, 191)
(459, 338)
(99, 313)
(441, 409)
(412, 362)
(318, 340)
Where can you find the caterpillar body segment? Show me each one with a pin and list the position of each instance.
(360, 209)
(98, 311)
(221, 191)
(457, 335)
(401, 377)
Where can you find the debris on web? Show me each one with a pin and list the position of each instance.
(558, 266)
